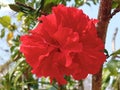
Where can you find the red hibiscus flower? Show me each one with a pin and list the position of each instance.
(65, 43)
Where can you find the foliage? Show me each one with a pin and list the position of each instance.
(111, 72)
(18, 76)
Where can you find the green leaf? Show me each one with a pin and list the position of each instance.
(114, 5)
(15, 69)
(19, 74)
(5, 21)
(2, 33)
(95, 1)
(20, 15)
(21, 1)
(14, 7)
(48, 4)
(79, 3)
(88, 3)
(106, 75)
(12, 27)
(113, 67)
(115, 53)
(12, 48)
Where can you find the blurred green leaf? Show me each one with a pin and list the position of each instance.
(21, 1)
(2, 33)
(114, 5)
(116, 83)
(113, 65)
(115, 53)
(12, 27)
(48, 4)
(5, 21)
(106, 75)
(18, 75)
(20, 7)
(14, 7)
(95, 1)
(12, 49)
(19, 16)
(79, 3)
(11, 73)
(88, 3)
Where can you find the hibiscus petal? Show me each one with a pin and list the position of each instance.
(64, 43)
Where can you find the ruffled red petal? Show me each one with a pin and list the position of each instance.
(64, 43)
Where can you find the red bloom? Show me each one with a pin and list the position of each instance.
(65, 43)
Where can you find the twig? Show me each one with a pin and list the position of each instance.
(115, 11)
(113, 39)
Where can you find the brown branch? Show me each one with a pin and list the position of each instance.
(103, 17)
(115, 11)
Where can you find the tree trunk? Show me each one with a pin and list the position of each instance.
(104, 18)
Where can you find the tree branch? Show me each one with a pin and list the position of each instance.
(115, 11)
(103, 17)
